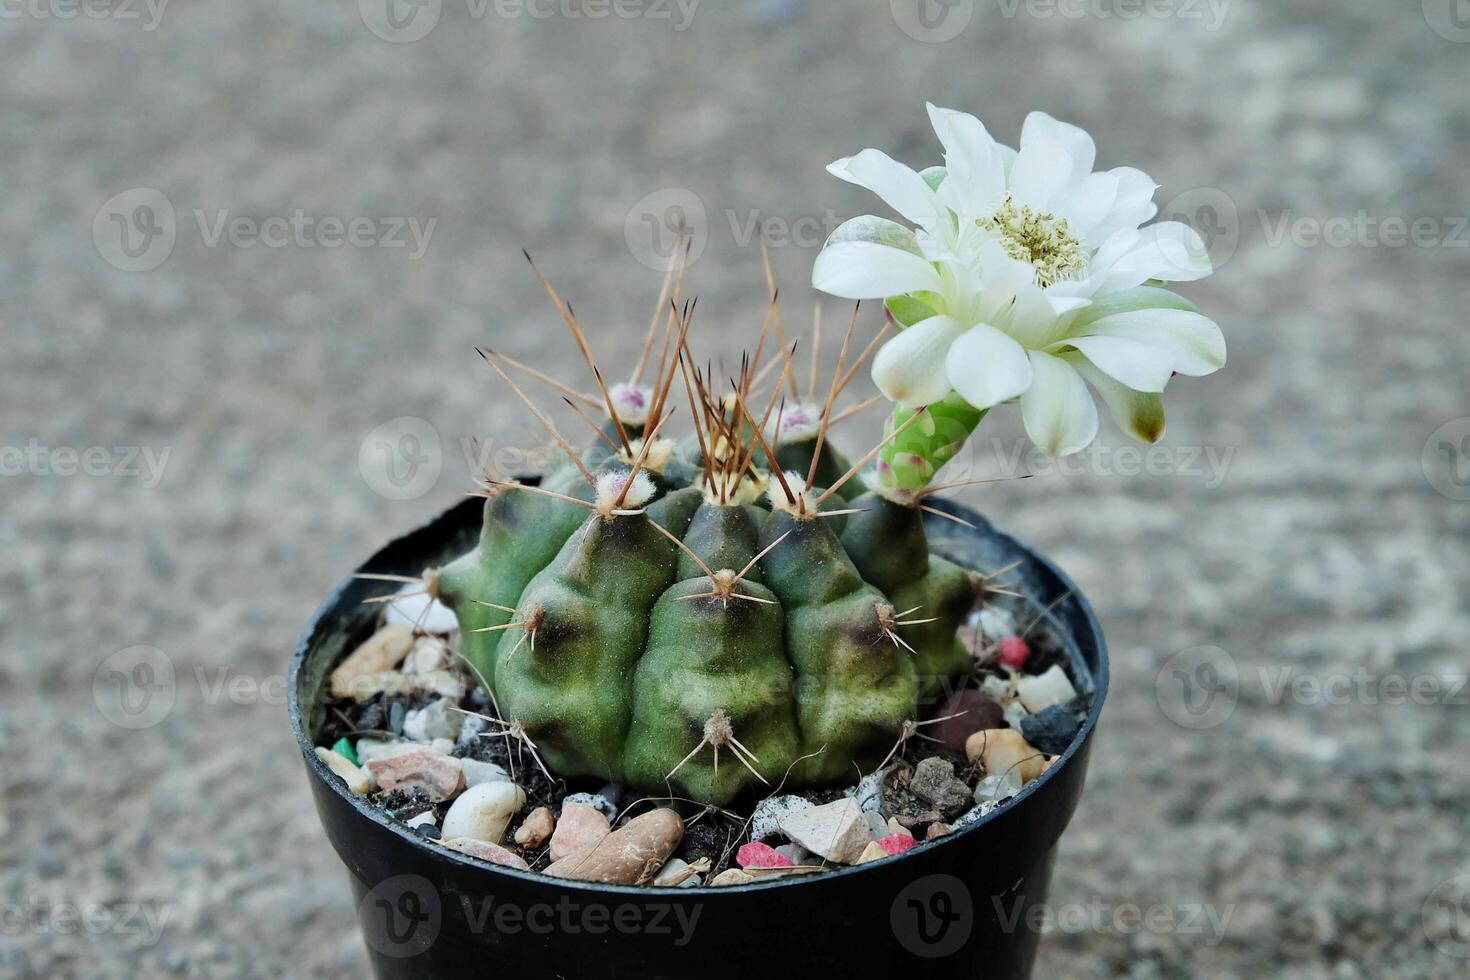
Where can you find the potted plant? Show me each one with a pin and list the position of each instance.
(696, 706)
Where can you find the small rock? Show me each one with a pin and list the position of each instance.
(673, 874)
(537, 828)
(1052, 729)
(996, 622)
(897, 843)
(396, 714)
(795, 853)
(424, 819)
(371, 749)
(877, 826)
(358, 782)
(630, 855)
(389, 683)
(580, 829)
(381, 652)
(437, 774)
(477, 772)
(1014, 652)
(873, 852)
(1041, 691)
(965, 713)
(434, 721)
(998, 786)
(1015, 714)
(469, 735)
(486, 851)
(766, 821)
(936, 831)
(869, 793)
(1002, 749)
(409, 611)
(429, 653)
(837, 831)
(343, 747)
(934, 782)
(429, 830)
(894, 827)
(440, 684)
(483, 812)
(998, 689)
(732, 876)
(597, 801)
(758, 855)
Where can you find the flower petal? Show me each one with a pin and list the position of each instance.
(1078, 143)
(899, 186)
(1192, 342)
(1139, 414)
(973, 157)
(1133, 206)
(909, 369)
(1057, 409)
(866, 270)
(1137, 364)
(1041, 173)
(1170, 250)
(987, 367)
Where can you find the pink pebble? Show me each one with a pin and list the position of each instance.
(1014, 652)
(758, 855)
(897, 843)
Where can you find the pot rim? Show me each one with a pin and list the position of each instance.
(319, 770)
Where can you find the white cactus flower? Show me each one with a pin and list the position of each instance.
(1026, 279)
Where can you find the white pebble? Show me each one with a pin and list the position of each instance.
(429, 653)
(434, 721)
(373, 749)
(483, 812)
(409, 611)
(1042, 691)
(476, 772)
(425, 818)
(769, 813)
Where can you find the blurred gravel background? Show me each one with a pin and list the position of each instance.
(1303, 520)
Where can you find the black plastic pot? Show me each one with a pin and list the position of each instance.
(953, 908)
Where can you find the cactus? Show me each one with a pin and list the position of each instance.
(712, 616)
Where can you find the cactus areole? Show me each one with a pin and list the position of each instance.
(714, 615)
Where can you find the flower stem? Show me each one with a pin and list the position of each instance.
(910, 462)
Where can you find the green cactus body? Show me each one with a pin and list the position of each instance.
(889, 547)
(521, 534)
(854, 687)
(703, 630)
(712, 661)
(586, 618)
